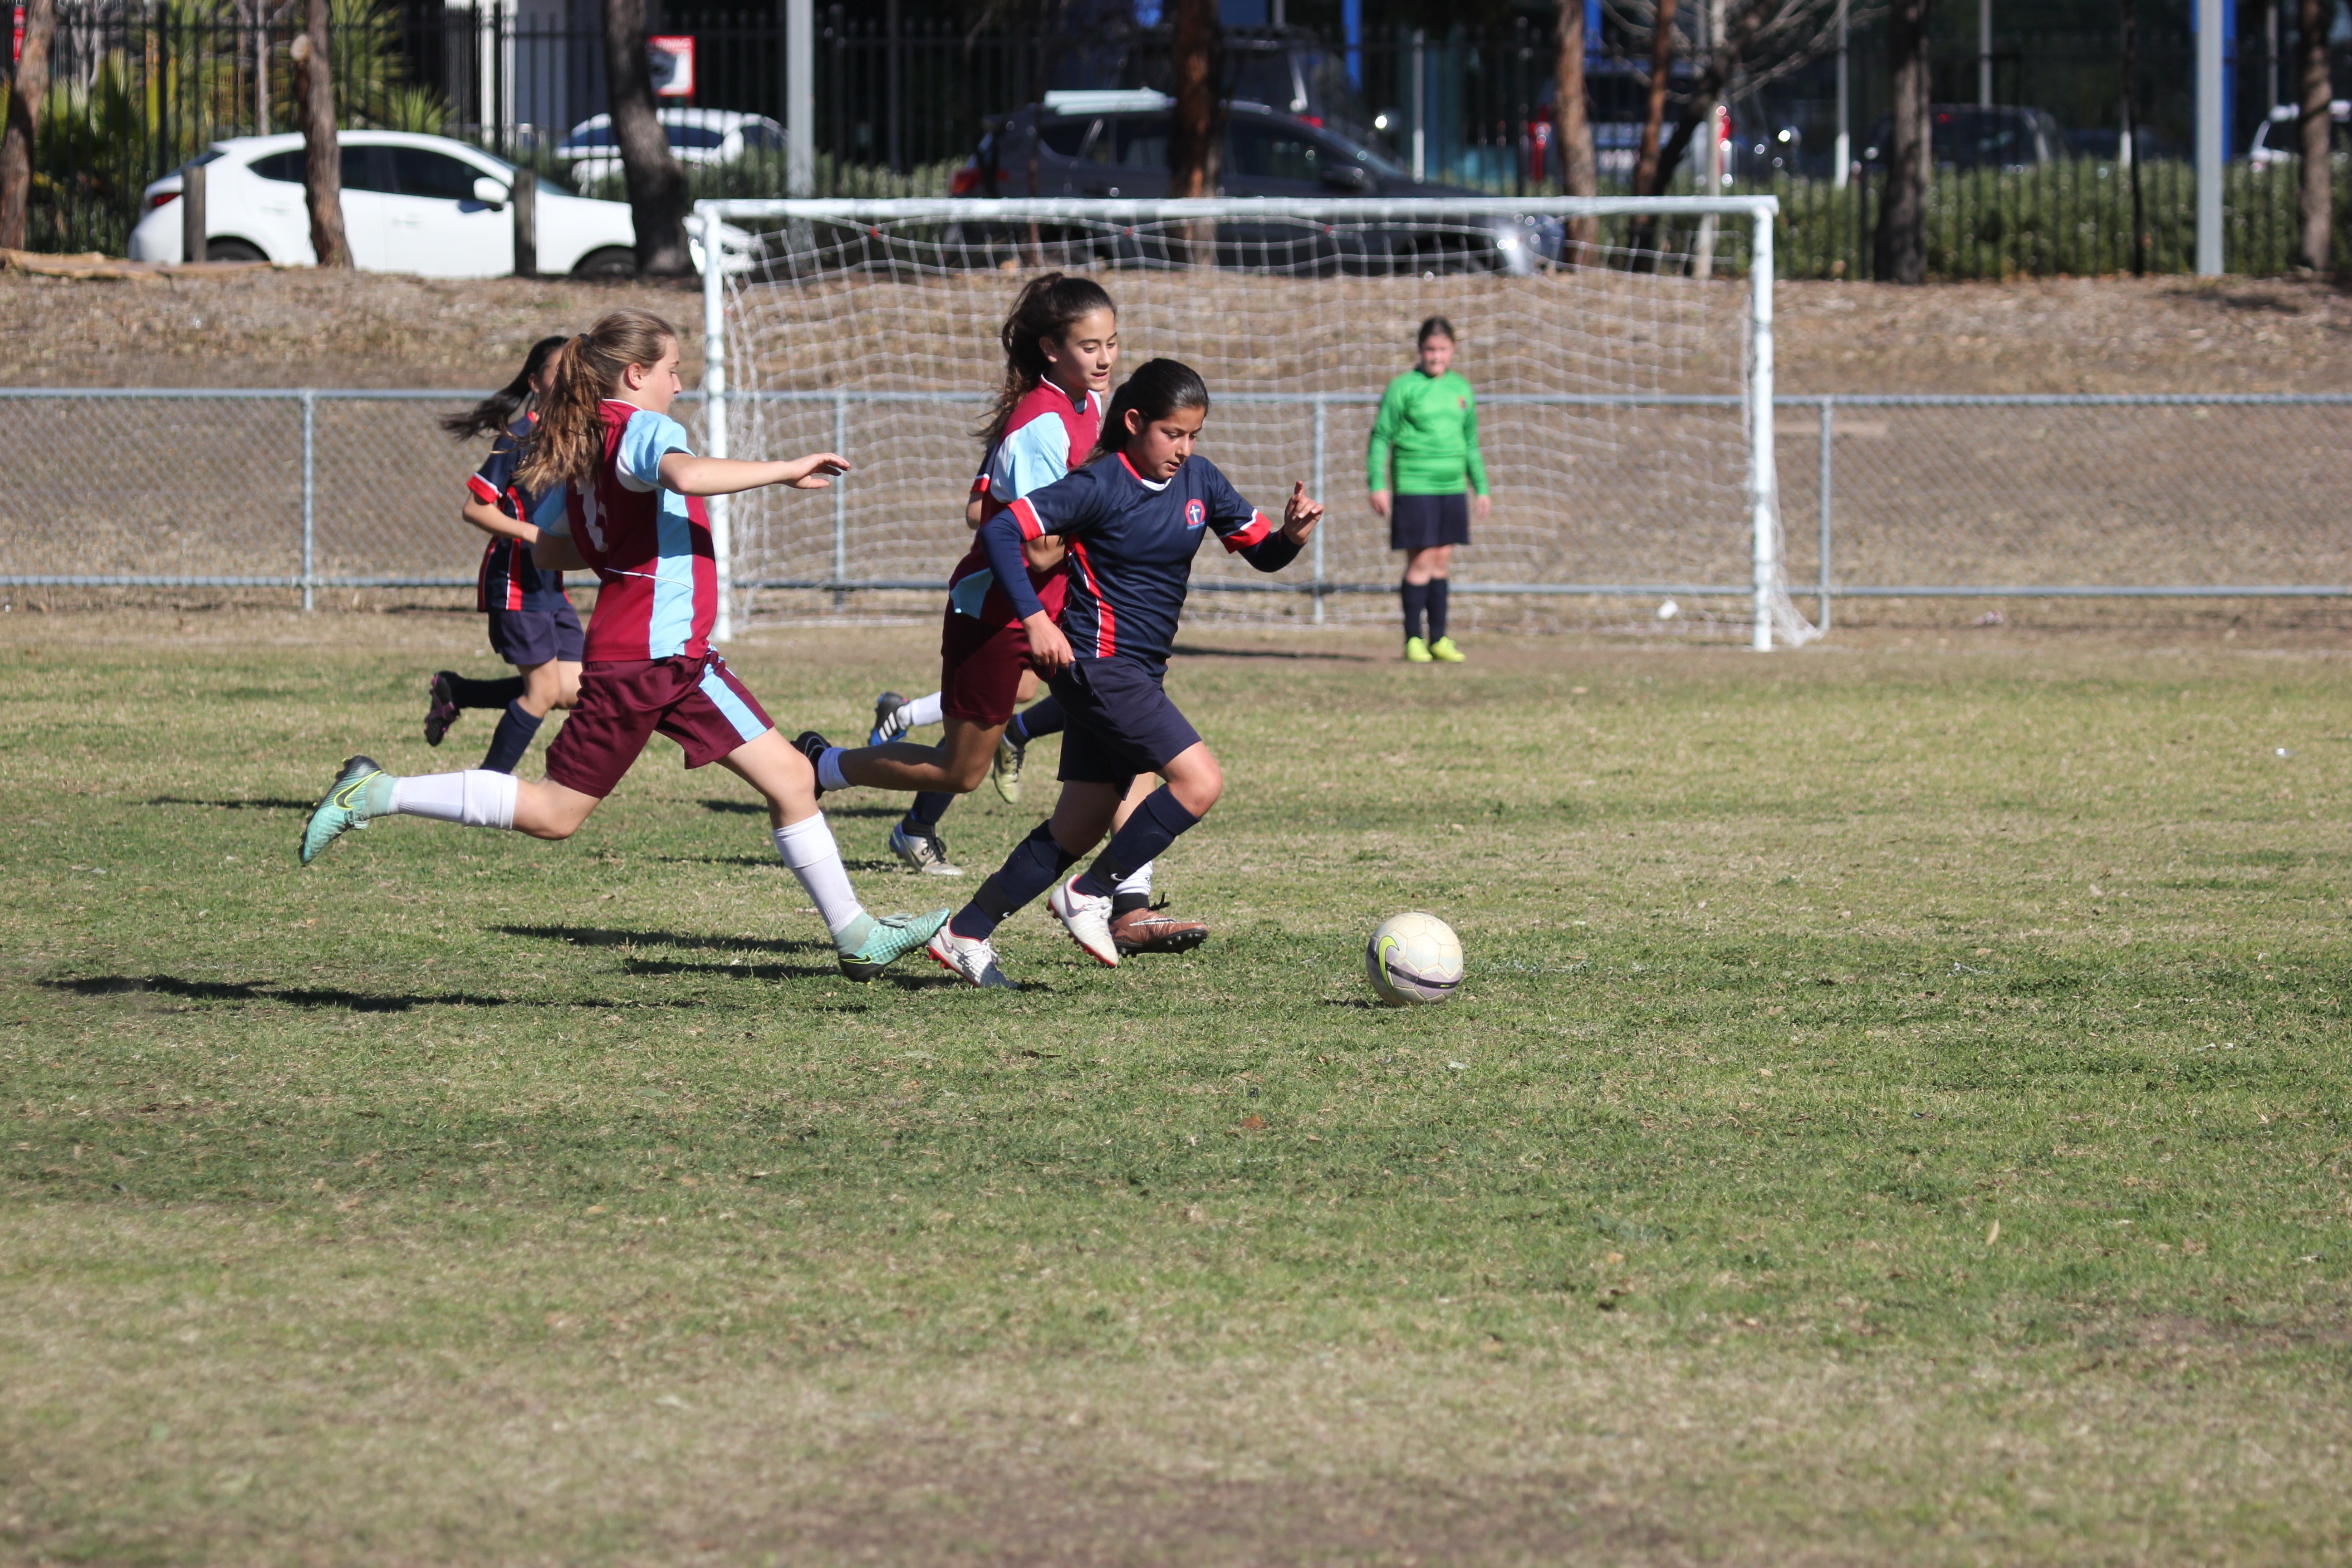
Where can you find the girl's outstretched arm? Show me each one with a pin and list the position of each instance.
(692, 476)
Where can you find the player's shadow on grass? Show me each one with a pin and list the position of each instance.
(266, 803)
(758, 808)
(1291, 656)
(293, 997)
(601, 936)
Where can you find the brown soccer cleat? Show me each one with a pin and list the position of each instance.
(1156, 930)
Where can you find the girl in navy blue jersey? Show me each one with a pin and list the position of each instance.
(533, 624)
(1133, 520)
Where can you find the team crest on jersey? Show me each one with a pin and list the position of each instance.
(1195, 514)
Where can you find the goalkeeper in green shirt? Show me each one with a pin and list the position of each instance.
(1428, 431)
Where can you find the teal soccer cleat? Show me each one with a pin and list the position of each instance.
(341, 808)
(892, 938)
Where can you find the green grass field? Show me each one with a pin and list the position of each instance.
(1897, 1113)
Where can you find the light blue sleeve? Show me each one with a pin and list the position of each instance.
(650, 437)
(553, 515)
(1029, 459)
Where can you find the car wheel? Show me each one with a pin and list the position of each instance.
(232, 250)
(611, 262)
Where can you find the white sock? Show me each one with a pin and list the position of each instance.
(1137, 882)
(807, 848)
(828, 768)
(477, 797)
(923, 710)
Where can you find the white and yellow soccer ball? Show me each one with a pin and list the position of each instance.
(1413, 958)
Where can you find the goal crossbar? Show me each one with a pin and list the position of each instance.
(1757, 395)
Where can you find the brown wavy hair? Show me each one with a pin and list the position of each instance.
(498, 411)
(567, 444)
(1050, 306)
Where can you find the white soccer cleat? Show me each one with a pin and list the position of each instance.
(970, 959)
(1087, 920)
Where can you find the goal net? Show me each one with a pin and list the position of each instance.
(1623, 391)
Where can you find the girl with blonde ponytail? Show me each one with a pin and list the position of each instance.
(633, 515)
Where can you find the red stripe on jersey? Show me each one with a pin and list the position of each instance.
(482, 489)
(980, 483)
(1255, 533)
(1106, 628)
(1026, 515)
(514, 574)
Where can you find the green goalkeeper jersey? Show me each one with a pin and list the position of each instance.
(1429, 425)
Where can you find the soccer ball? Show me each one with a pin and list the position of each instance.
(1413, 957)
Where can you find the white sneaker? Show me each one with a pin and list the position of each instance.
(968, 959)
(1089, 921)
(924, 852)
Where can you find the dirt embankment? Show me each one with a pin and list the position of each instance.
(286, 329)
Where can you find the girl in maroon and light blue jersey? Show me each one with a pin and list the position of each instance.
(635, 517)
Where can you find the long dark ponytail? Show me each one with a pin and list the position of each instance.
(1158, 388)
(498, 411)
(1050, 306)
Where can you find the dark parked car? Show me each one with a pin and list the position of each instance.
(1115, 145)
(1963, 136)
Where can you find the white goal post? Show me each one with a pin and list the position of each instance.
(1625, 403)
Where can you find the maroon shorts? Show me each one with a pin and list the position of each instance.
(698, 702)
(979, 680)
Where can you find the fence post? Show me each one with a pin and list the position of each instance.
(195, 238)
(523, 193)
(310, 499)
(715, 433)
(1762, 478)
(840, 502)
(1828, 430)
(1321, 432)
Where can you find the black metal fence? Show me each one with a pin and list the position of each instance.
(136, 90)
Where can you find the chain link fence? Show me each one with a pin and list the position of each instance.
(136, 493)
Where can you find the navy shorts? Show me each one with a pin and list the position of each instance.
(1424, 522)
(1120, 724)
(524, 637)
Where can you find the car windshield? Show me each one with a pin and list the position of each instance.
(1367, 158)
(695, 136)
(590, 136)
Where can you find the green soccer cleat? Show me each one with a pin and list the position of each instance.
(341, 808)
(892, 938)
(1416, 651)
(1443, 651)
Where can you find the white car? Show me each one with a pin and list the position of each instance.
(2279, 139)
(696, 136)
(425, 205)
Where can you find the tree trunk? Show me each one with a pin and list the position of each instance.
(322, 157)
(1580, 170)
(1910, 159)
(30, 86)
(2315, 200)
(1646, 177)
(1196, 142)
(658, 202)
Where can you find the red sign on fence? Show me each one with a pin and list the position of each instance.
(670, 60)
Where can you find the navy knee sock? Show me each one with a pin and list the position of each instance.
(511, 739)
(927, 809)
(1157, 824)
(1039, 720)
(1035, 864)
(467, 692)
(1416, 600)
(1436, 608)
